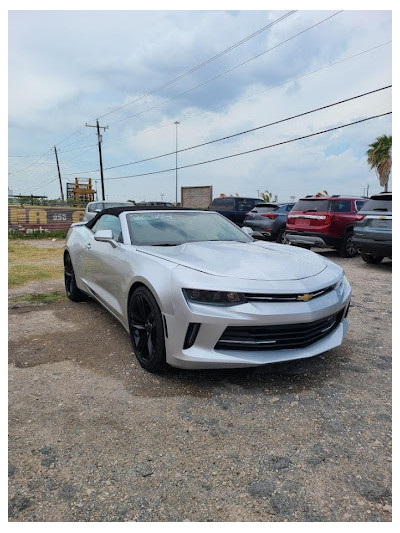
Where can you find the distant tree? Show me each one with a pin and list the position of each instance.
(266, 196)
(379, 157)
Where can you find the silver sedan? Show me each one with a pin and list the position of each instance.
(195, 291)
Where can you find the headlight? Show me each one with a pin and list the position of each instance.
(213, 297)
(339, 285)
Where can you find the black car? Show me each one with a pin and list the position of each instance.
(373, 228)
(233, 207)
(269, 220)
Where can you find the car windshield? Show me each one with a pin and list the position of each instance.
(162, 228)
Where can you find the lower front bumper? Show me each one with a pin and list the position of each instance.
(198, 357)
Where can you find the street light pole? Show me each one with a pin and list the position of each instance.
(176, 162)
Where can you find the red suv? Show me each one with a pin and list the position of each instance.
(324, 221)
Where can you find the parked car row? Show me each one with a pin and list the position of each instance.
(350, 225)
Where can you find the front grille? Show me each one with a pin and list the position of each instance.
(297, 297)
(278, 337)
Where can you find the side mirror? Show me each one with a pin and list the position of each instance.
(248, 231)
(105, 235)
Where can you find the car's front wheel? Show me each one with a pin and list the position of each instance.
(147, 331)
(71, 288)
(373, 259)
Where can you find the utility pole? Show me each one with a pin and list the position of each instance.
(59, 174)
(99, 138)
(176, 162)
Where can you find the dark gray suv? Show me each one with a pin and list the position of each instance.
(372, 233)
(269, 220)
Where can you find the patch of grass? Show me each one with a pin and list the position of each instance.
(20, 251)
(50, 298)
(21, 274)
(14, 235)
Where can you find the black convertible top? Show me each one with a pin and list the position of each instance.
(121, 209)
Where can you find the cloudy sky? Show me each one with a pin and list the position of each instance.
(217, 72)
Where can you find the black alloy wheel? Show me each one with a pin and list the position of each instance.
(372, 259)
(147, 330)
(348, 248)
(71, 288)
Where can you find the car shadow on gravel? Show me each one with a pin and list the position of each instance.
(283, 378)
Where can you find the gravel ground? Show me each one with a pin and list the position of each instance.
(93, 437)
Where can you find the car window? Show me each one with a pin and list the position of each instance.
(223, 203)
(289, 207)
(245, 204)
(378, 204)
(341, 206)
(359, 204)
(265, 208)
(109, 222)
(92, 207)
(312, 205)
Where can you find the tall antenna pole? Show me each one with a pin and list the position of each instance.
(99, 138)
(59, 174)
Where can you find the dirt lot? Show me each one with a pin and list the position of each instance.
(93, 437)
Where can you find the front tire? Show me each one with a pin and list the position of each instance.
(147, 331)
(71, 288)
(372, 259)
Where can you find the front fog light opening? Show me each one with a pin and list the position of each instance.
(191, 335)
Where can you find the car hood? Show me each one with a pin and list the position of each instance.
(253, 260)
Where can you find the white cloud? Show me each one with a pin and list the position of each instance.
(66, 68)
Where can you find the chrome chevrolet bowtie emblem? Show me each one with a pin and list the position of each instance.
(305, 297)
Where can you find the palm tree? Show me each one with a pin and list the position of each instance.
(379, 157)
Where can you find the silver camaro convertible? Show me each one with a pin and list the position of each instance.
(195, 291)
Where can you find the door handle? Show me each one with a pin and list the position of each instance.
(88, 246)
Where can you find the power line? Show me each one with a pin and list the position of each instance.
(46, 155)
(244, 132)
(193, 69)
(186, 119)
(201, 65)
(254, 150)
(227, 71)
